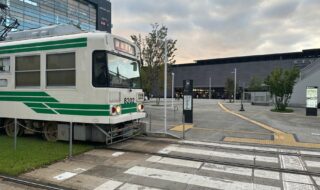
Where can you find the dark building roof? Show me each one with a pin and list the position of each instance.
(309, 53)
(247, 67)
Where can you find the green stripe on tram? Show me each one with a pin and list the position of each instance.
(43, 103)
(43, 111)
(27, 99)
(35, 105)
(83, 112)
(131, 110)
(8, 93)
(131, 105)
(40, 46)
(79, 106)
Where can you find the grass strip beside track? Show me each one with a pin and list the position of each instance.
(32, 153)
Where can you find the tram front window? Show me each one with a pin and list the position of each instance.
(123, 72)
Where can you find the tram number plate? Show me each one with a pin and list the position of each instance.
(129, 100)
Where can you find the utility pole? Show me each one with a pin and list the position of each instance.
(209, 88)
(165, 84)
(172, 90)
(235, 84)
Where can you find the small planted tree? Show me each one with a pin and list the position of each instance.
(281, 83)
(256, 84)
(229, 88)
(152, 48)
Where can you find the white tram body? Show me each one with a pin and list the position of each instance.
(90, 79)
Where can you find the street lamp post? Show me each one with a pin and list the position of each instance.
(235, 84)
(209, 88)
(172, 90)
(242, 94)
(165, 83)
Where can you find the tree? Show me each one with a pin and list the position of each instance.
(256, 84)
(152, 48)
(281, 83)
(229, 88)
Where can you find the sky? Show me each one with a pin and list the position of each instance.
(207, 29)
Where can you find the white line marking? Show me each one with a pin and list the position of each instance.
(175, 162)
(289, 151)
(312, 164)
(267, 159)
(297, 186)
(227, 169)
(116, 154)
(315, 134)
(79, 169)
(192, 179)
(173, 148)
(129, 186)
(310, 153)
(64, 176)
(230, 146)
(291, 162)
(266, 174)
(296, 178)
(317, 179)
(109, 185)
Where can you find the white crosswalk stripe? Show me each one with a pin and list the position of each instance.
(291, 162)
(197, 180)
(297, 186)
(297, 178)
(267, 174)
(112, 185)
(312, 164)
(173, 148)
(317, 179)
(227, 169)
(215, 167)
(176, 162)
(245, 147)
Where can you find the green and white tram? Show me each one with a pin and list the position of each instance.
(89, 79)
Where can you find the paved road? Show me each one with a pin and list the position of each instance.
(109, 169)
(213, 124)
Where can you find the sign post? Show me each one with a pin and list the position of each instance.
(312, 101)
(188, 101)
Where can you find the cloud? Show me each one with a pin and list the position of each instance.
(224, 28)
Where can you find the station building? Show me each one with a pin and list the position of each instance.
(218, 70)
(88, 14)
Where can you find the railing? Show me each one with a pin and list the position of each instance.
(310, 69)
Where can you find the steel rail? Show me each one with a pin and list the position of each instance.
(31, 183)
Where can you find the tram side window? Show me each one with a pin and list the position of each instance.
(27, 71)
(100, 70)
(5, 64)
(61, 69)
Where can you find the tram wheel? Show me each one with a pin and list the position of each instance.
(9, 128)
(50, 131)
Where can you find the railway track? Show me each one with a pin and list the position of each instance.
(215, 161)
(31, 183)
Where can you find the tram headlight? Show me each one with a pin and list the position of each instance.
(118, 109)
(115, 110)
(140, 107)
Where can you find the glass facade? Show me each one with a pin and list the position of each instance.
(38, 13)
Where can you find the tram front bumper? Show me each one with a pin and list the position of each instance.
(127, 117)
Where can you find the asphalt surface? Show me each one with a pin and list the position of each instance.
(211, 123)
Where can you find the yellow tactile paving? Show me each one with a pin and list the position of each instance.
(179, 128)
(232, 131)
(280, 137)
